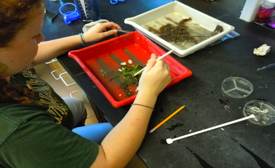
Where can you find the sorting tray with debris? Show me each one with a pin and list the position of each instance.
(199, 29)
(102, 61)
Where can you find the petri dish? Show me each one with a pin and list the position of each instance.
(237, 87)
(263, 111)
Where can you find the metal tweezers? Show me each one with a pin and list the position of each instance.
(124, 31)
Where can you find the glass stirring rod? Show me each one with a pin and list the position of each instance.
(265, 67)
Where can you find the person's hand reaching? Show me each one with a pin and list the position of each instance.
(98, 31)
(155, 77)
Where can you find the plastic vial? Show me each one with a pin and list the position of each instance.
(264, 13)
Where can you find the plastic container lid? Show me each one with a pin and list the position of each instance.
(273, 1)
(263, 111)
(237, 87)
(268, 4)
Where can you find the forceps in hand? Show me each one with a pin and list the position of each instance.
(114, 2)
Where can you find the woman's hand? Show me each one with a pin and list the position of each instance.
(98, 31)
(155, 77)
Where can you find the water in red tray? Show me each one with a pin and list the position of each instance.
(102, 61)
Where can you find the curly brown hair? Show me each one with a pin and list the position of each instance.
(9, 93)
(14, 15)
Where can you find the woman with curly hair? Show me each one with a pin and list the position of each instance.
(38, 128)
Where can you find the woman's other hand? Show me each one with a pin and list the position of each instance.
(98, 31)
(155, 77)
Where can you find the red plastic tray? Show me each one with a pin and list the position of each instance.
(106, 56)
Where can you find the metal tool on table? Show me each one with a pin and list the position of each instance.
(55, 15)
(124, 31)
(266, 67)
(114, 2)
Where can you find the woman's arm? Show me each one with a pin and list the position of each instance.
(51, 49)
(120, 145)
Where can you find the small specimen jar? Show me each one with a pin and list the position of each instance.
(264, 12)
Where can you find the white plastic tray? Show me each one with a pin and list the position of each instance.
(177, 11)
